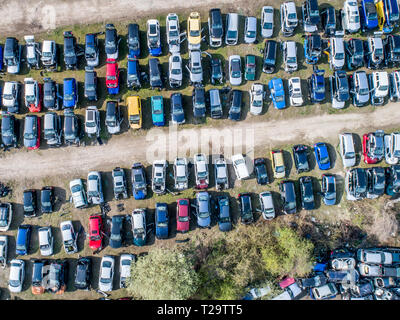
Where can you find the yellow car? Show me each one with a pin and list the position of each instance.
(194, 31)
(134, 112)
(278, 164)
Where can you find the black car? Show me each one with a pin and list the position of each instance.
(246, 211)
(12, 53)
(354, 53)
(288, 197)
(215, 27)
(316, 281)
(311, 18)
(117, 235)
(70, 51)
(313, 48)
(269, 57)
(155, 71)
(71, 128)
(177, 111)
(83, 273)
(133, 40)
(8, 131)
(90, 84)
(216, 75)
(328, 21)
(235, 103)
(300, 158)
(47, 199)
(199, 103)
(111, 42)
(51, 98)
(113, 117)
(392, 50)
(30, 203)
(307, 193)
(376, 181)
(261, 171)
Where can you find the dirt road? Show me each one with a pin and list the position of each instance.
(123, 150)
(40, 15)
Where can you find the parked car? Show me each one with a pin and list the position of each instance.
(322, 156)
(327, 291)
(29, 203)
(139, 183)
(199, 104)
(340, 90)
(376, 182)
(267, 21)
(336, 52)
(250, 30)
(3, 250)
(277, 93)
(46, 241)
(235, 70)
(181, 174)
(267, 205)
(261, 171)
(289, 19)
(133, 40)
(159, 176)
(194, 31)
(195, 67)
(162, 220)
(182, 215)
(113, 118)
(173, 33)
(221, 175)
(203, 209)
(52, 129)
(291, 291)
(392, 147)
(374, 52)
(37, 276)
(379, 256)
(70, 97)
(112, 76)
(92, 121)
(92, 51)
(328, 188)
(51, 94)
(69, 238)
(328, 21)
(316, 281)
(71, 51)
(111, 42)
(139, 227)
(201, 170)
(216, 111)
(246, 210)
(32, 132)
(307, 193)
(6, 213)
(373, 146)
(379, 84)
(250, 67)
(368, 15)
(393, 180)
(356, 184)
(257, 95)
(175, 70)
(134, 112)
(32, 52)
(216, 74)
(94, 188)
(223, 211)
(316, 85)
(378, 271)
(57, 276)
(49, 57)
(17, 275)
(289, 51)
(269, 56)
(232, 29)
(311, 18)
(117, 231)
(350, 16)
(235, 109)
(359, 89)
(106, 276)
(156, 76)
(33, 95)
(215, 27)
(240, 167)
(295, 93)
(278, 164)
(71, 128)
(90, 84)
(12, 55)
(96, 230)
(9, 138)
(177, 111)
(83, 273)
(354, 56)
(394, 86)
(347, 149)
(78, 193)
(392, 50)
(125, 262)
(300, 153)
(23, 240)
(288, 196)
(119, 183)
(47, 199)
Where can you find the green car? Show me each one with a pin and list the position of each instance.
(157, 110)
(250, 71)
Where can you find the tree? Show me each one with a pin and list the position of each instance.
(163, 274)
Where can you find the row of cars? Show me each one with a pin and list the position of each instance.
(363, 274)
(52, 275)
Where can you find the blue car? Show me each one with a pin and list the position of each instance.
(177, 112)
(393, 180)
(1, 57)
(203, 209)
(23, 239)
(224, 216)
(92, 50)
(328, 189)
(277, 93)
(70, 93)
(322, 156)
(162, 220)
(133, 73)
(391, 9)
(133, 40)
(316, 86)
(157, 111)
(368, 15)
(139, 182)
(312, 48)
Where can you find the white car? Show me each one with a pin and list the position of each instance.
(337, 53)
(290, 293)
(46, 241)
(78, 193)
(289, 50)
(379, 85)
(125, 263)
(181, 174)
(295, 93)
(175, 70)
(69, 237)
(235, 70)
(92, 121)
(289, 20)
(267, 21)
(240, 167)
(6, 213)
(325, 292)
(94, 188)
(159, 176)
(3, 250)
(257, 94)
(195, 68)
(351, 16)
(173, 33)
(347, 150)
(201, 170)
(221, 174)
(10, 96)
(257, 293)
(250, 30)
(31, 89)
(392, 148)
(49, 54)
(267, 205)
(106, 273)
(17, 275)
(139, 226)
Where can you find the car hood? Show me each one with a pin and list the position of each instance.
(7, 140)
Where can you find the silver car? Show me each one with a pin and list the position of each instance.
(175, 70)
(267, 21)
(195, 68)
(289, 49)
(181, 174)
(106, 273)
(250, 30)
(235, 70)
(92, 121)
(267, 205)
(46, 241)
(94, 188)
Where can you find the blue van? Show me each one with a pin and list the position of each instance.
(133, 75)
(70, 96)
(23, 239)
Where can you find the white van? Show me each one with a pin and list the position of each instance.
(232, 29)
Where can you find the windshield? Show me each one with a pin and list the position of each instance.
(280, 169)
(231, 34)
(339, 56)
(267, 25)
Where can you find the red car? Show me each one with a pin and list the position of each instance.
(182, 215)
(373, 146)
(112, 76)
(95, 232)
